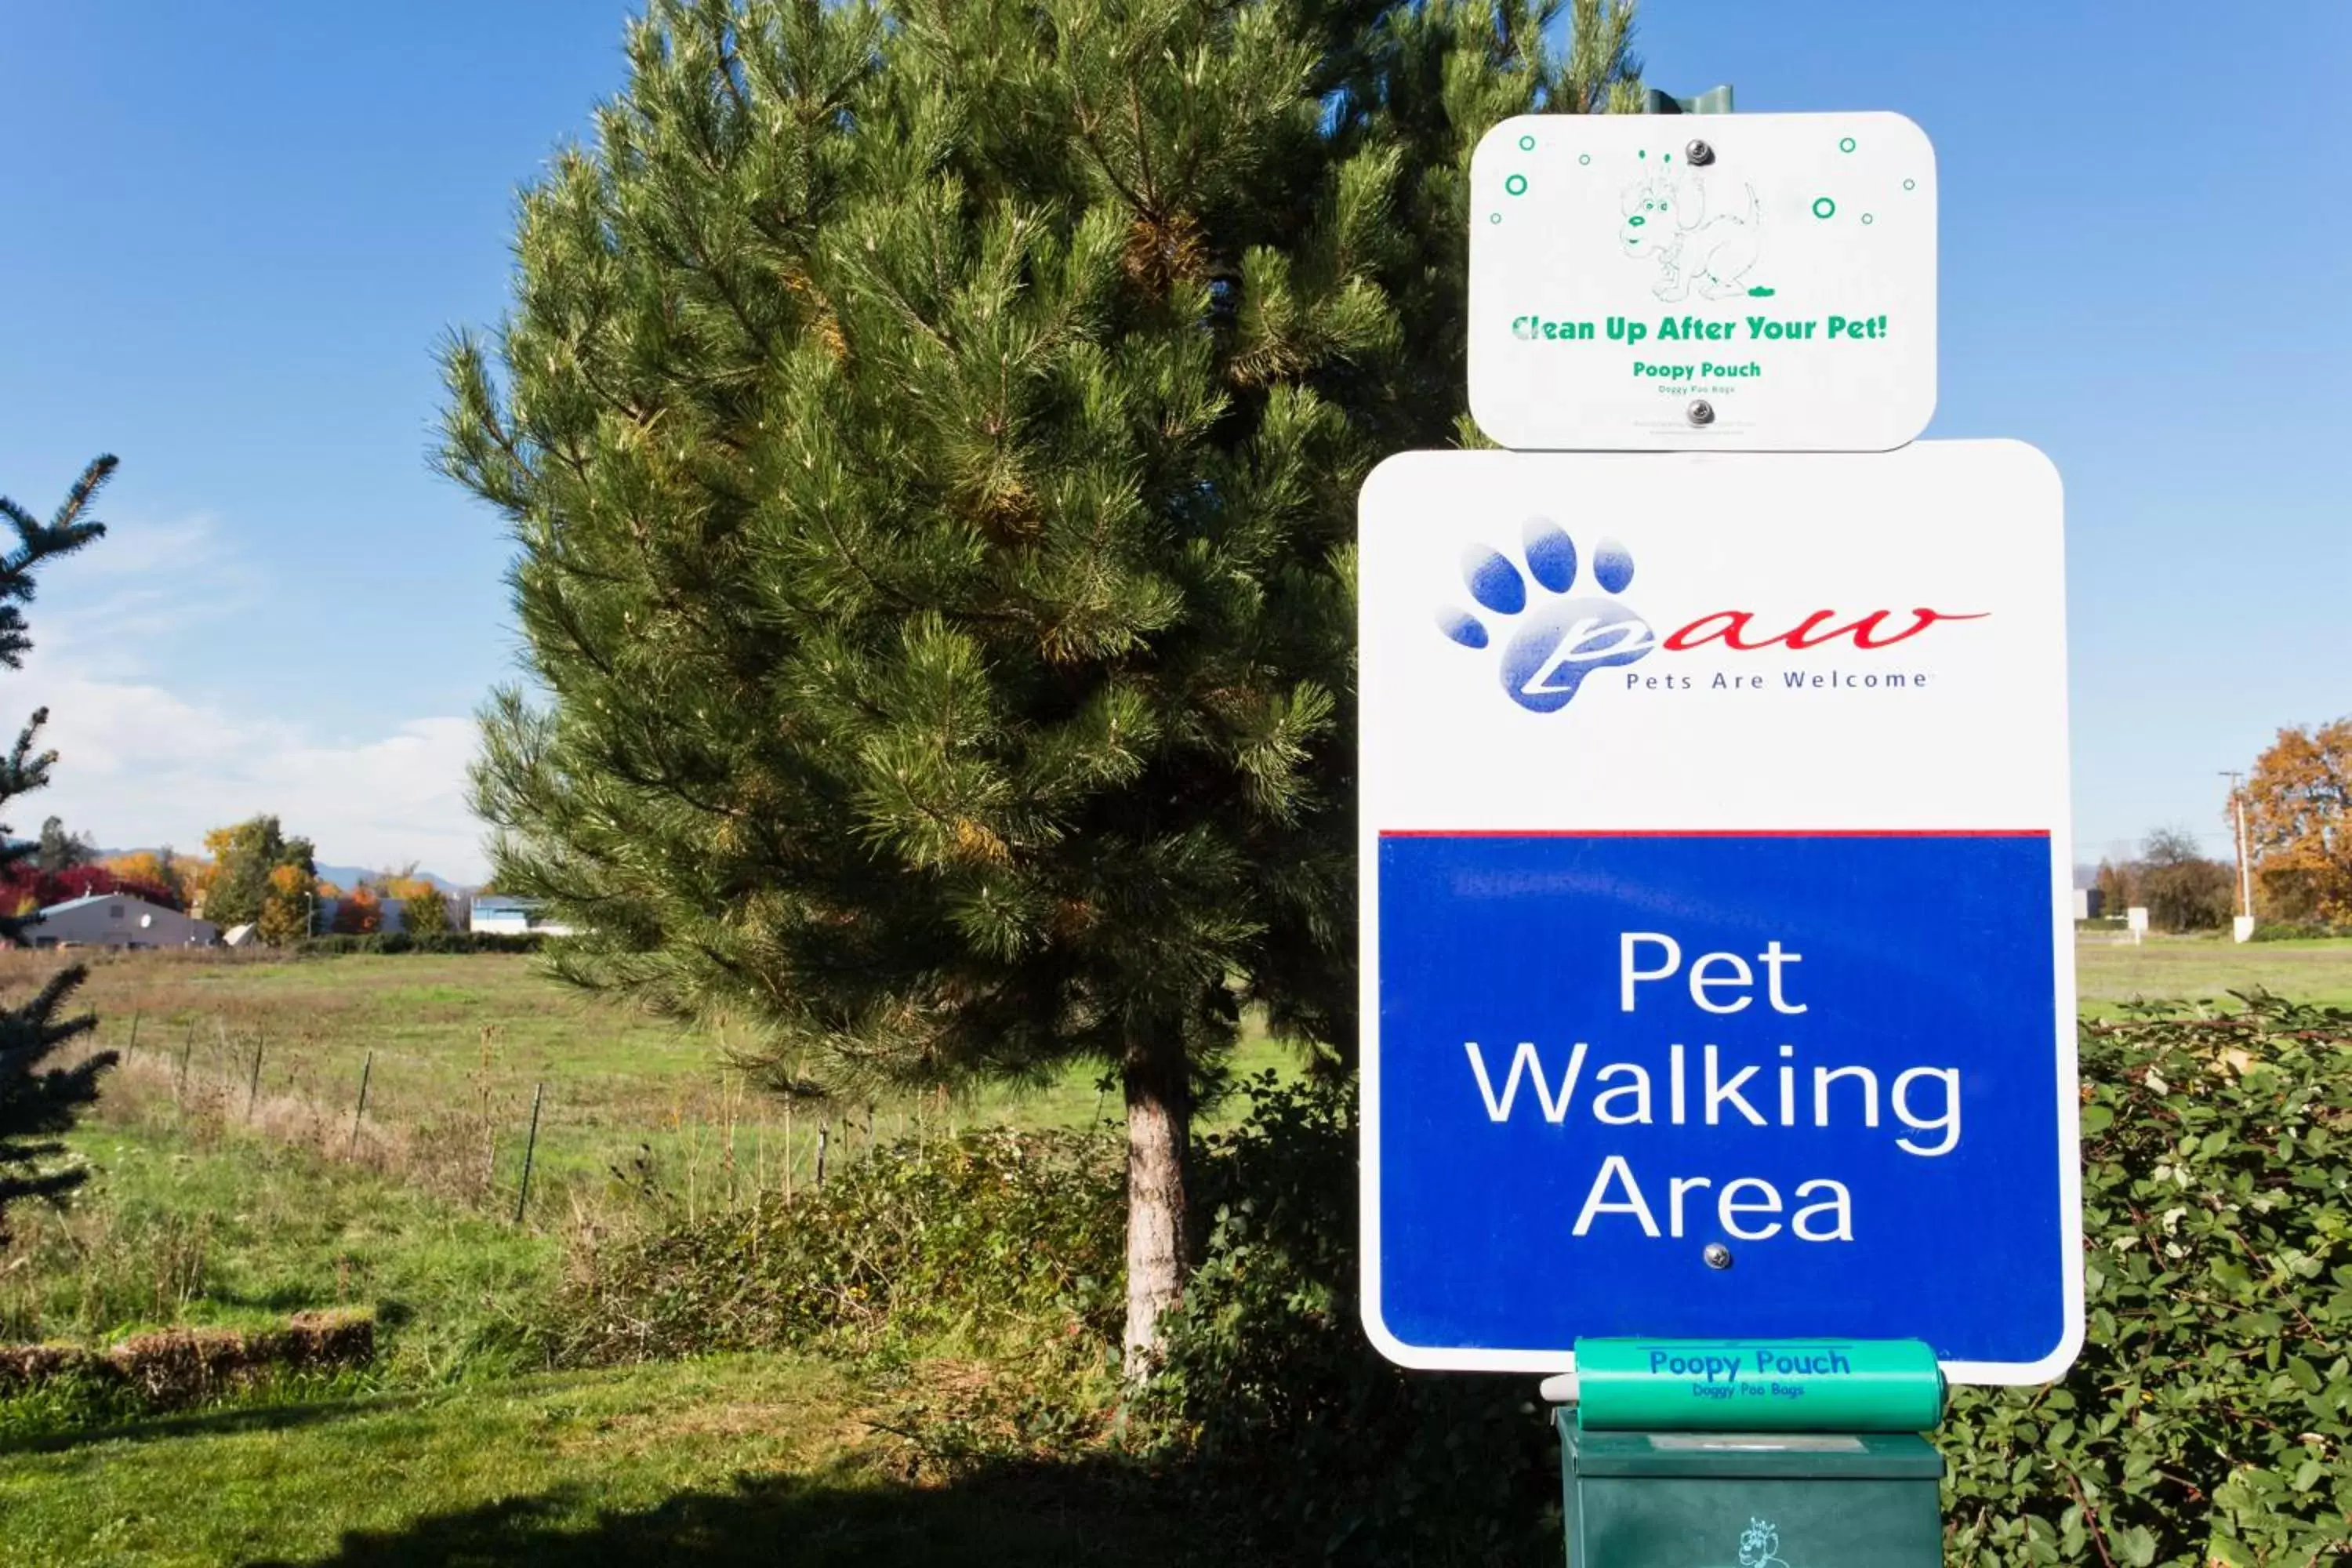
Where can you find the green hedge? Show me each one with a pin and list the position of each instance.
(444, 941)
(2206, 1419)
(2209, 1416)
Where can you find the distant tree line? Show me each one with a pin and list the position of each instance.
(2298, 802)
(2181, 887)
(252, 872)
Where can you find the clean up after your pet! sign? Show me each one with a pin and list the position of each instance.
(1743, 282)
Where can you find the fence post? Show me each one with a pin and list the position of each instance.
(529, 1150)
(823, 1135)
(180, 1084)
(253, 1085)
(367, 1070)
(132, 1044)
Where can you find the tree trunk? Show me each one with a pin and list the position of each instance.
(1158, 1211)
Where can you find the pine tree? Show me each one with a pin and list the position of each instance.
(58, 850)
(40, 1101)
(932, 434)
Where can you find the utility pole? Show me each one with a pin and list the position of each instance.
(2245, 865)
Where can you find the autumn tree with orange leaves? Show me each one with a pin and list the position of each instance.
(286, 905)
(359, 912)
(2299, 823)
(153, 869)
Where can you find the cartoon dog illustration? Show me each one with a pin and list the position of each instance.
(1759, 1546)
(1666, 217)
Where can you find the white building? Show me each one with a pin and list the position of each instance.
(119, 919)
(514, 917)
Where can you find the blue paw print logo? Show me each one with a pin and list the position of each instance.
(1555, 643)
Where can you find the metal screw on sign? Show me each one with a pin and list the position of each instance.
(1701, 412)
(1699, 153)
(1718, 1255)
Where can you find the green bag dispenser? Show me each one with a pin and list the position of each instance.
(1713, 1453)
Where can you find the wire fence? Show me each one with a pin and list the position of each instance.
(496, 1135)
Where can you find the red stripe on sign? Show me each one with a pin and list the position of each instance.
(1714, 833)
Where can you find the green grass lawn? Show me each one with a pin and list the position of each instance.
(456, 1446)
(2207, 968)
(752, 1460)
(239, 1230)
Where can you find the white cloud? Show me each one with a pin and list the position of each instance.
(158, 578)
(140, 766)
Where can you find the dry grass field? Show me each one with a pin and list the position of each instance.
(456, 1048)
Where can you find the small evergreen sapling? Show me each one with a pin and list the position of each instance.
(39, 1099)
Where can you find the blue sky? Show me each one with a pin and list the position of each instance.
(236, 235)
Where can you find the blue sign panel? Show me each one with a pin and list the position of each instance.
(1830, 1058)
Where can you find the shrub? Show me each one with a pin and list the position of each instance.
(1265, 1371)
(2210, 1413)
(990, 1237)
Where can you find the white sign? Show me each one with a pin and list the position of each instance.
(1779, 296)
(1717, 898)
